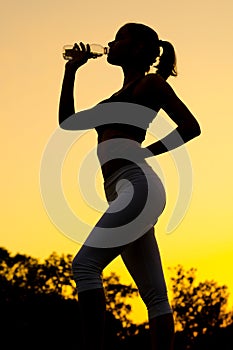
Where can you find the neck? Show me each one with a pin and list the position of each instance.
(131, 74)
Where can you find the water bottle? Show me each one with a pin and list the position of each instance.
(96, 50)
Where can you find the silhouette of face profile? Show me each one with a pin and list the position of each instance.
(135, 45)
(123, 50)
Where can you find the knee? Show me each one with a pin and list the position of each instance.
(76, 265)
(81, 267)
(86, 273)
(157, 304)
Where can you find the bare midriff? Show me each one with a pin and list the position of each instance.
(113, 165)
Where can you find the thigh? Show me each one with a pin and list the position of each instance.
(142, 259)
(95, 259)
(136, 200)
(122, 222)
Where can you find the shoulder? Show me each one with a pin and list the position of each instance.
(153, 81)
(153, 89)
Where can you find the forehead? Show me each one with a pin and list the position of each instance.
(123, 32)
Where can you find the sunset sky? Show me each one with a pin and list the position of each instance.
(32, 36)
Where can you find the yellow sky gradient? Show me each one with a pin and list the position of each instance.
(32, 36)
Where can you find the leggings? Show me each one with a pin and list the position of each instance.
(119, 232)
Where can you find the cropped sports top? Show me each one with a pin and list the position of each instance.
(117, 130)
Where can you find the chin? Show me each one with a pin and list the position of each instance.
(110, 60)
(113, 60)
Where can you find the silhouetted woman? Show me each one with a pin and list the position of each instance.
(135, 48)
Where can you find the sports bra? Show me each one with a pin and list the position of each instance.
(114, 130)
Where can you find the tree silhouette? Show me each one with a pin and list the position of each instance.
(27, 283)
(38, 300)
(53, 276)
(198, 308)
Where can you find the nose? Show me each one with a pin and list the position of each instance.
(110, 43)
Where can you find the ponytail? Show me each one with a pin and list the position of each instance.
(167, 60)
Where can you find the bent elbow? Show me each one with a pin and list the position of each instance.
(197, 130)
(189, 132)
(66, 124)
(193, 129)
(62, 125)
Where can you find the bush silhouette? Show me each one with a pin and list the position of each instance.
(40, 309)
(199, 308)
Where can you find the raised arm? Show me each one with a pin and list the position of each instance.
(66, 105)
(187, 125)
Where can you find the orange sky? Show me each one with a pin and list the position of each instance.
(32, 36)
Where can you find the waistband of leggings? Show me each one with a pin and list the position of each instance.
(118, 173)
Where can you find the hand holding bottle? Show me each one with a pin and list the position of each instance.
(77, 55)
